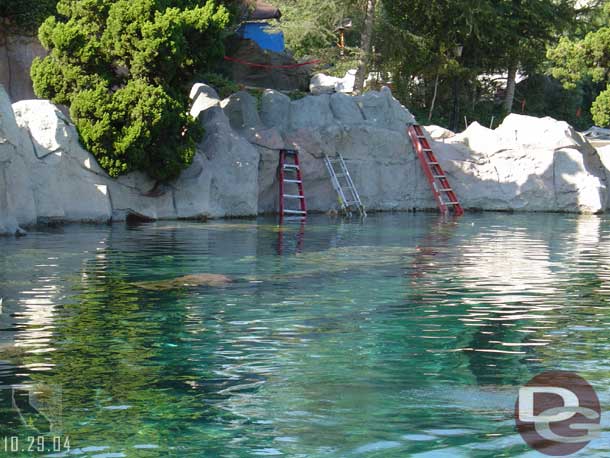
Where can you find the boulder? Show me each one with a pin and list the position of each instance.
(203, 97)
(17, 53)
(383, 110)
(242, 110)
(253, 66)
(438, 132)
(323, 84)
(311, 113)
(223, 179)
(275, 109)
(513, 168)
(347, 83)
(345, 109)
(68, 183)
(526, 164)
(17, 206)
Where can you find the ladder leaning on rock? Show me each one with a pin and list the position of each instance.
(442, 190)
(348, 195)
(290, 177)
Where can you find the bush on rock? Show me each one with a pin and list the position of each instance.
(123, 67)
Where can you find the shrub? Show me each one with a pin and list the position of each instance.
(123, 67)
(224, 86)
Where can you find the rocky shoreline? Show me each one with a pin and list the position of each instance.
(527, 164)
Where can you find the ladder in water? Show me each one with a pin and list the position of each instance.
(291, 186)
(348, 195)
(442, 190)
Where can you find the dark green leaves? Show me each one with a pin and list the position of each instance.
(123, 67)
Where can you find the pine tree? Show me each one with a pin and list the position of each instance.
(123, 68)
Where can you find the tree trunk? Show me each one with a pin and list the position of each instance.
(367, 39)
(511, 84)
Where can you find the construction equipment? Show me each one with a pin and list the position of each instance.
(442, 190)
(348, 195)
(291, 186)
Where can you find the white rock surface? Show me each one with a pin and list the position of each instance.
(526, 164)
(438, 132)
(325, 84)
(16, 198)
(67, 183)
(203, 97)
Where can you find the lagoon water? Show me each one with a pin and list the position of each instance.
(400, 336)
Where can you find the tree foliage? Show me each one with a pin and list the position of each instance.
(578, 59)
(420, 41)
(25, 16)
(123, 67)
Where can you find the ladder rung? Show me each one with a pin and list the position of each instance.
(451, 203)
(295, 212)
(439, 176)
(293, 181)
(433, 163)
(445, 190)
(292, 196)
(291, 151)
(291, 166)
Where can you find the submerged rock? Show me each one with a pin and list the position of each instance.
(188, 281)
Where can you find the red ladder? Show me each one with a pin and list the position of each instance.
(291, 176)
(442, 190)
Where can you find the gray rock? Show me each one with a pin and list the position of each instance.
(16, 55)
(223, 180)
(242, 111)
(312, 112)
(275, 109)
(527, 164)
(383, 110)
(345, 109)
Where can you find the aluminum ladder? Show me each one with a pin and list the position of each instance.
(291, 186)
(441, 188)
(348, 195)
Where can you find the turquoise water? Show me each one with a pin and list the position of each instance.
(401, 336)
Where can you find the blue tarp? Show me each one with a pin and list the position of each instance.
(264, 35)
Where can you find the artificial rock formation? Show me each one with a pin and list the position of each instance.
(526, 164)
(16, 55)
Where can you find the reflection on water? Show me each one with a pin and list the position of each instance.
(400, 336)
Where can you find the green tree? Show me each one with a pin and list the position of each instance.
(123, 67)
(437, 50)
(25, 16)
(575, 60)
